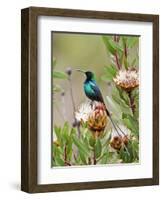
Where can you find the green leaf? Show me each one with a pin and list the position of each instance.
(131, 152)
(105, 155)
(65, 132)
(116, 46)
(53, 162)
(131, 123)
(69, 149)
(113, 107)
(111, 69)
(57, 131)
(132, 41)
(110, 73)
(57, 88)
(116, 96)
(119, 101)
(82, 157)
(124, 96)
(108, 45)
(135, 146)
(111, 45)
(105, 158)
(72, 132)
(60, 75)
(135, 94)
(57, 152)
(92, 141)
(59, 161)
(86, 142)
(121, 105)
(125, 156)
(124, 40)
(98, 148)
(54, 62)
(123, 58)
(80, 145)
(126, 63)
(133, 63)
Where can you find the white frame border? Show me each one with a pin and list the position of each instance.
(48, 175)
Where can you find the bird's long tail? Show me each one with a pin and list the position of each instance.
(107, 112)
(115, 125)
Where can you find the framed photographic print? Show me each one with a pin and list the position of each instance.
(90, 99)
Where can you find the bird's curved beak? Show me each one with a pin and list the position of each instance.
(79, 70)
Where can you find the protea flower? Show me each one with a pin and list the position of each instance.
(84, 112)
(97, 120)
(127, 79)
(94, 114)
(118, 140)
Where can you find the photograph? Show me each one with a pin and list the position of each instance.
(95, 99)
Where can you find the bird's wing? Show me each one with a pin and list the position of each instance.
(97, 91)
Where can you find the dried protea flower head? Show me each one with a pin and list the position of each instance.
(98, 120)
(127, 79)
(118, 140)
(94, 114)
(125, 139)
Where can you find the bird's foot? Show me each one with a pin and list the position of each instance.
(91, 104)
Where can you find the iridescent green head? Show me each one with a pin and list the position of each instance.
(88, 74)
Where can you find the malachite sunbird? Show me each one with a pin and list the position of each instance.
(91, 88)
(93, 92)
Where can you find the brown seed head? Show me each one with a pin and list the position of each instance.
(116, 142)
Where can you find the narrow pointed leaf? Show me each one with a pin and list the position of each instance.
(98, 148)
(59, 75)
(80, 145)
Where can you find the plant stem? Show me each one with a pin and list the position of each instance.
(72, 98)
(89, 161)
(125, 55)
(73, 105)
(65, 155)
(125, 50)
(117, 60)
(118, 38)
(115, 38)
(116, 55)
(94, 161)
(63, 106)
(132, 105)
(78, 129)
(94, 156)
